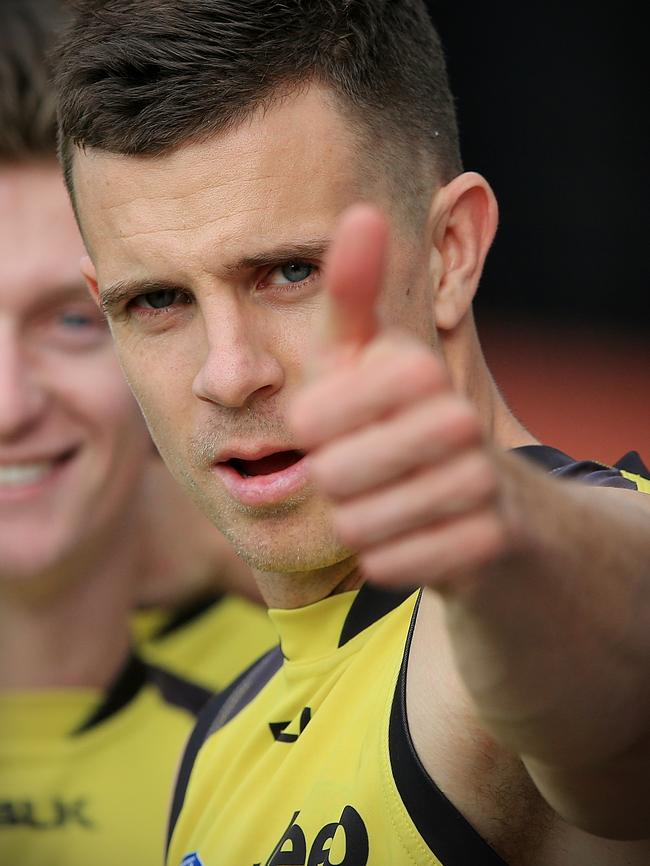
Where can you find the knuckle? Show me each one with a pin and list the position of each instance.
(418, 366)
(482, 477)
(429, 368)
(373, 565)
(463, 420)
(491, 538)
(448, 422)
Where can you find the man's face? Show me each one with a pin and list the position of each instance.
(72, 441)
(208, 262)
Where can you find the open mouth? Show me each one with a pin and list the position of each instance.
(267, 480)
(269, 465)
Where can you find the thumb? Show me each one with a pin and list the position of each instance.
(354, 271)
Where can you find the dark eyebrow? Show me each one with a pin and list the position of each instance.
(113, 296)
(59, 296)
(295, 252)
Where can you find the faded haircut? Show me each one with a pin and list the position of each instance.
(28, 29)
(143, 77)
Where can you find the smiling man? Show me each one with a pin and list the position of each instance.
(315, 380)
(90, 734)
(76, 707)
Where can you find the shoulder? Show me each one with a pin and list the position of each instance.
(628, 473)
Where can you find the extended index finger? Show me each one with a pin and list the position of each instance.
(353, 275)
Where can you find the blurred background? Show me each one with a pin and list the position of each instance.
(553, 106)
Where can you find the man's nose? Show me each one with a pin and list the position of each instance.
(22, 395)
(237, 366)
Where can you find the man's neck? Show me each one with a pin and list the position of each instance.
(77, 635)
(299, 589)
(471, 376)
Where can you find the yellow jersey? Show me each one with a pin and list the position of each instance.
(86, 778)
(316, 765)
(210, 640)
(307, 759)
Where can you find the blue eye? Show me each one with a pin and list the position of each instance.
(76, 320)
(157, 300)
(74, 328)
(291, 272)
(294, 272)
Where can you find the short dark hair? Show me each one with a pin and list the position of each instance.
(28, 29)
(145, 76)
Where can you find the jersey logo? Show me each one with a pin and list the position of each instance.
(346, 840)
(53, 816)
(192, 859)
(277, 728)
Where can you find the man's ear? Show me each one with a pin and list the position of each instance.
(90, 276)
(464, 216)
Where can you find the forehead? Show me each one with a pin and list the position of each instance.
(40, 245)
(291, 168)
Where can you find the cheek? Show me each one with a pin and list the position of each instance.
(152, 371)
(294, 337)
(101, 397)
(165, 399)
(295, 350)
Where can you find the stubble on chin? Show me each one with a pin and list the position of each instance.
(287, 537)
(292, 536)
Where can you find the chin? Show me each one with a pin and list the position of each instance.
(286, 550)
(34, 554)
(292, 536)
(299, 562)
(20, 571)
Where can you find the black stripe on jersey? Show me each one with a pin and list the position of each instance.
(215, 714)
(186, 614)
(242, 691)
(370, 605)
(448, 834)
(177, 691)
(125, 687)
(133, 677)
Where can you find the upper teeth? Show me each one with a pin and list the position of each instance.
(23, 473)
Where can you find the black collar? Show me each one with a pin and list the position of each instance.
(370, 605)
(126, 685)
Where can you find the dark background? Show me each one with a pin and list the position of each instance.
(554, 110)
(553, 102)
